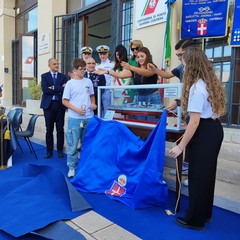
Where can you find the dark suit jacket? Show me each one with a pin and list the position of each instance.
(97, 80)
(47, 81)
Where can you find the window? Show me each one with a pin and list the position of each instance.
(226, 61)
(66, 40)
(27, 22)
(74, 5)
(126, 23)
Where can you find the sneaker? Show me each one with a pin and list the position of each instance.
(184, 171)
(185, 183)
(71, 173)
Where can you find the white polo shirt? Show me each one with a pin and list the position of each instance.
(198, 100)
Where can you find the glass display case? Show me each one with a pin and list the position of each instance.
(140, 105)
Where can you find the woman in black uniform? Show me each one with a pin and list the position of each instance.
(204, 101)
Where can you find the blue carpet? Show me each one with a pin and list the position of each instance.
(147, 224)
(34, 196)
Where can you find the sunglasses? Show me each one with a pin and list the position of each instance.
(137, 48)
(179, 55)
(103, 53)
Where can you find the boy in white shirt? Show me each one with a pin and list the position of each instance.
(78, 97)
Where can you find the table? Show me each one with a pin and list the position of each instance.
(171, 136)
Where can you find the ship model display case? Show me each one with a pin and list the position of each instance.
(141, 105)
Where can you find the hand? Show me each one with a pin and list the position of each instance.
(151, 67)
(126, 65)
(172, 106)
(101, 71)
(93, 106)
(81, 111)
(175, 151)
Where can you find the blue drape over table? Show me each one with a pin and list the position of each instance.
(116, 162)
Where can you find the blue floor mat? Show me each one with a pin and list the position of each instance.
(147, 224)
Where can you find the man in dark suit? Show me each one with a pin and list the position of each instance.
(53, 84)
(97, 80)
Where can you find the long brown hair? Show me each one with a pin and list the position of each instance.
(148, 56)
(147, 60)
(198, 66)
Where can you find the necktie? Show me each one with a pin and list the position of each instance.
(54, 83)
(90, 76)
(54, 78)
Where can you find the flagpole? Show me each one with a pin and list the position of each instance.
(203, 44)
(167, 42)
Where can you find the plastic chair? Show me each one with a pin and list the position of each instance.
(11, 114)
(16, 121)
(29, 132)
(19, 110)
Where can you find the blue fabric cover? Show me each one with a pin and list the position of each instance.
(34, 196)
(111, 150)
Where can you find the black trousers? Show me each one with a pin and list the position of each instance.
(203, 150)
(55, 113)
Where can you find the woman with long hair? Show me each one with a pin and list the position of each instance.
(121, 96)
(204, 101)
(120, 55)
(141, 75)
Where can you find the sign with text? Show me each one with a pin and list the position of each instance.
(235, 34)
(170, 92)
(204, 18)
(43, 44)
(150, 12)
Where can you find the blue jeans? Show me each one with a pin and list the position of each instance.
(106, 100)
(74, 134)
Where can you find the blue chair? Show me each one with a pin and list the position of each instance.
(19, 110)
(16, 121)
(29, 132)
(11, 114)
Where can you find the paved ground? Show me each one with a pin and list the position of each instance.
(93, 226)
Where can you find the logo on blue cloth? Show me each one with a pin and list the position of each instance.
(117, 189)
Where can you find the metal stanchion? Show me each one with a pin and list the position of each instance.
(4, 136)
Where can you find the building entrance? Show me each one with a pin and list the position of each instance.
(98, 29)
(92, 27)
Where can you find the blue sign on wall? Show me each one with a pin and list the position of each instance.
(204, 18)
(235, 35)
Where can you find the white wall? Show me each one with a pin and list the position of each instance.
(46, 26)
(7, 32)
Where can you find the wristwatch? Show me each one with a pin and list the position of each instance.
(178, 101)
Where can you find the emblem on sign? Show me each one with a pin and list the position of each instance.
(202, 27)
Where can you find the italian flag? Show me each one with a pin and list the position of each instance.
(149, 7)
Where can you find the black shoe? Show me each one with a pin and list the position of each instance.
(60, 154)
(181, 222)
(48, 155)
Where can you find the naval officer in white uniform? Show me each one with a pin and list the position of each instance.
(103, 52)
